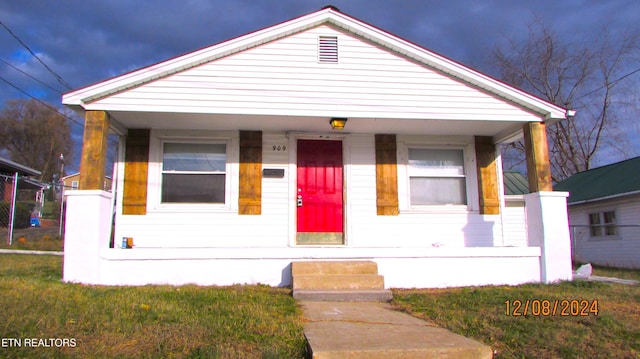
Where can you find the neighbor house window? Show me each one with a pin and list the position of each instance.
(602, 224)
(437, 177)
(74, 185)
(194, 172)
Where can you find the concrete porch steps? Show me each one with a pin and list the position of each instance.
(348, 281)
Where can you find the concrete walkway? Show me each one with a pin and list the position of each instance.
(374, 330)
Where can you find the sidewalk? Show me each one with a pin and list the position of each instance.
(24, 251)
(374, 330)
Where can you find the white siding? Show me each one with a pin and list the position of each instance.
(198, 226)
(436, 228)
(515, 226)
(622, 250)
(284, 77)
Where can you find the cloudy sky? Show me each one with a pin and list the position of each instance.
(85, 41)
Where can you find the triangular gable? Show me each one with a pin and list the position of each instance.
(331, 17)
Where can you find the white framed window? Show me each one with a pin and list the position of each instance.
(74, 185)
(602, 224)
(437, 176)
(194, 172)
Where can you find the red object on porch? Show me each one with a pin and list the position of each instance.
(320, 186)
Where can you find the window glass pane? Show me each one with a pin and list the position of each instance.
(610, 217)
(194, 157)
(610, 230)
(193, 188)
(594, 221)
(436, 162)
(437, 191)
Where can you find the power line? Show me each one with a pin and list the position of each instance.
(41, 102)
(607, 85)
(58, 77)
(31, 77)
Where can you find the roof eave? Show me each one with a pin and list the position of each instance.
(613, 196)
(24, 169)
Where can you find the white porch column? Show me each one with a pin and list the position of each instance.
(87, 231)
(548, 228)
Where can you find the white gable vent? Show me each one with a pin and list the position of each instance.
(328, 49)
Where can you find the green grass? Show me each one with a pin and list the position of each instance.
(481, 313)
(264, 322)
(143, 322)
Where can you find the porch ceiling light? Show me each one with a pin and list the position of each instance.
(338, 123)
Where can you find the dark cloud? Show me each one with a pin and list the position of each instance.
(90, 40)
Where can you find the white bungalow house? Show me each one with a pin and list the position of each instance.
(604, 214)
(320, 138)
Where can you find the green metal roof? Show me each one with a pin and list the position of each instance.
(515, 183)
(606, 181)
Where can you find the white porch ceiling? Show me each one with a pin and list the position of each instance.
(190, 121)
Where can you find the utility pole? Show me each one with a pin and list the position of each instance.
(61, 182)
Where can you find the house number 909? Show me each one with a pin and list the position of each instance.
(279, 148)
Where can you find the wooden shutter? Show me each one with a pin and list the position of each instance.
(250, 191)
(136, 168)
(386, 175)
(487, 175)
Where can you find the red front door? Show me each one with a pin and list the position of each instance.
(319, 192)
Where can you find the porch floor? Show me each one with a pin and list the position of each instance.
(375, 330)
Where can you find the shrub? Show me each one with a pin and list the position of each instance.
(22, 215)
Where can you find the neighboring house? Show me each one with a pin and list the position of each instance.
(72, 181)
(320, 138)
(9, 172)
(604, 214)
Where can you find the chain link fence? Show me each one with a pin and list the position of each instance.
(26, 204)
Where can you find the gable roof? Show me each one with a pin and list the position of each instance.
(515, 184)
(614, 180)
(328, 15)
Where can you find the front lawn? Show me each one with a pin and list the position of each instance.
(481, 313)
(140, 322)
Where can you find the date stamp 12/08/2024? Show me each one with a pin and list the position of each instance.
(551, 307)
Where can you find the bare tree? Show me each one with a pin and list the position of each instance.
(35, 135)
(587, 78)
